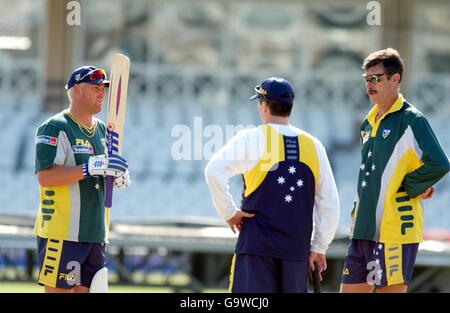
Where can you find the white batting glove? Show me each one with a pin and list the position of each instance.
(102, 165)
(122, 181)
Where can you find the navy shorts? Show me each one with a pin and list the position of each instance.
(65, 264)
(379, 264)
(259, 274)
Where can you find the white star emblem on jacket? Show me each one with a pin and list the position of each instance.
(288, 198)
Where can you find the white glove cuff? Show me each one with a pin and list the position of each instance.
(85, 167)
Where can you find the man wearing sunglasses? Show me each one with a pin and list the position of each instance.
(290, 207)
(401, 161)
(72, 223)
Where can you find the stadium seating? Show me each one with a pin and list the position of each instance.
(165, 188)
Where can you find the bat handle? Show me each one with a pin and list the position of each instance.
(109, 191)
(316, 278)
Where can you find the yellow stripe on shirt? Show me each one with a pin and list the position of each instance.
(273, 154)
(53, 218)
(308, 154)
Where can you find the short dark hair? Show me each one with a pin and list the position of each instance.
(389, 58)
(277, 108)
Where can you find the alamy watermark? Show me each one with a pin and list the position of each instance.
(73, 276)
(374, 16)
(73, 18)
(375, 273)
(203, 141)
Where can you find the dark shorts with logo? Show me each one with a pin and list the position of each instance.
(260, 274)
(65, 264)
(379, 264)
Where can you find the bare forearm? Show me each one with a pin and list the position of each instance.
(60, 176)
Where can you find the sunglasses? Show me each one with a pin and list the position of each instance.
(97, 74)
(372, 78)
(261, 92)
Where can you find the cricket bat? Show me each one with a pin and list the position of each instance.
(316, 278)
(115, 115)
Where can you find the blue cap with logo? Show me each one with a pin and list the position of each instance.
(87, 74)
(275, 88)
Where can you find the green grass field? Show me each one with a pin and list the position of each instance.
(16, 281)
(30, 287)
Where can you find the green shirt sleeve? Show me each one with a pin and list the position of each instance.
(435, 161)
(46, 141)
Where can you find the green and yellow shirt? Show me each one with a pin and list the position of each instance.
(401, 158)
(74, 212)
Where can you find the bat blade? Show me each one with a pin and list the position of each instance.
(115, 115)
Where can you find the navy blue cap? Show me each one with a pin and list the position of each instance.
(275, 88)
(87, 74)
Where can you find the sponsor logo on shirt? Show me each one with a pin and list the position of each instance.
(48, 140)
(82, 142)
(82, 146)
(83, 150)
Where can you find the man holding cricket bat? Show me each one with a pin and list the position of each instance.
(72, 223)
